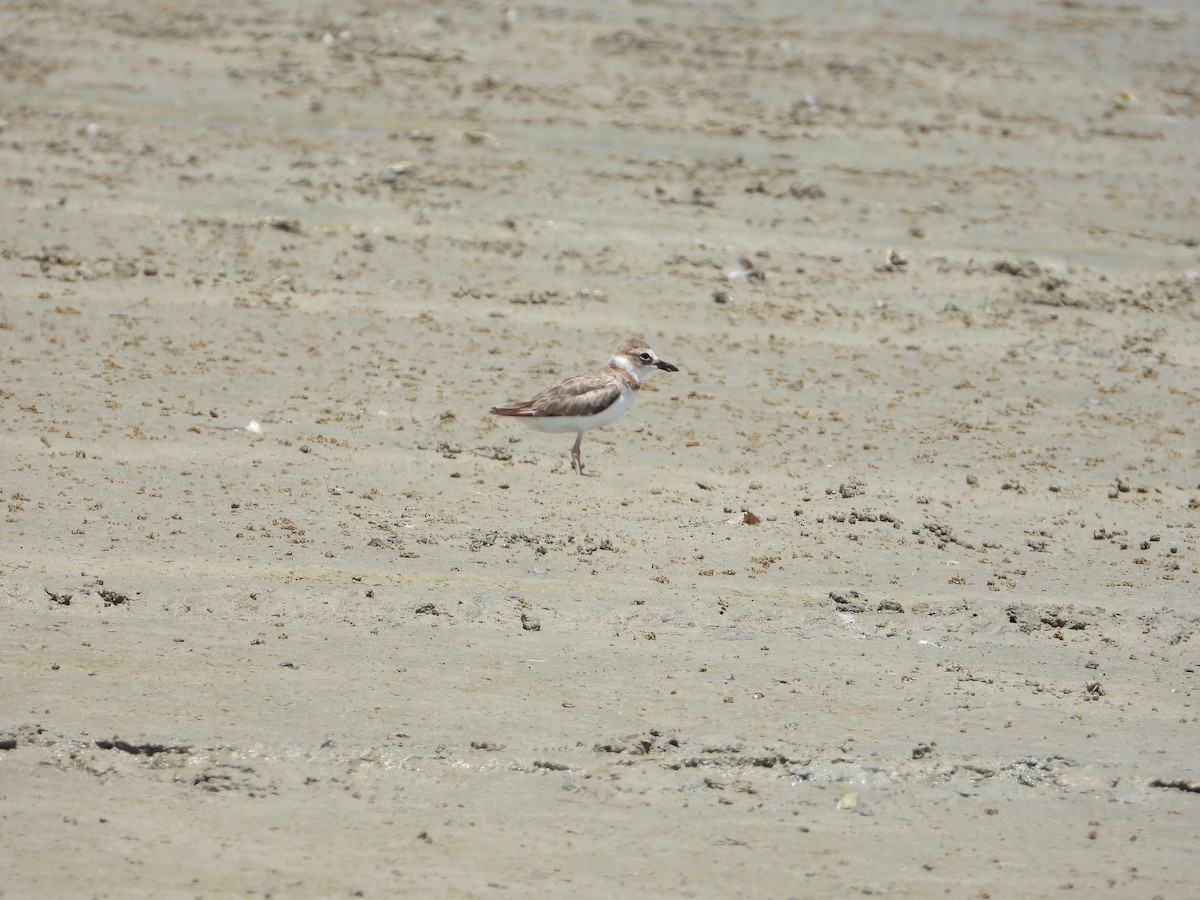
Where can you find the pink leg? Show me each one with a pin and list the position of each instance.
(576, 459)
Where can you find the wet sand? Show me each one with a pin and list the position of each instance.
(381, 643)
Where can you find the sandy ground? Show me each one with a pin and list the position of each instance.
(385, 644)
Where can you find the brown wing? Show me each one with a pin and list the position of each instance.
(582, 395)
(512, 409)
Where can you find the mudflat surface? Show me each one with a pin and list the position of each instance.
(891, 589)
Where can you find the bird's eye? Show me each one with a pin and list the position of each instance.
(644, 357)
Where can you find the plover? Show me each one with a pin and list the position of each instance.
(589, 401)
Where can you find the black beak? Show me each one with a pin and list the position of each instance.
(666, 366)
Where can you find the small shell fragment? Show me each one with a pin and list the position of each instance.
(745, 517)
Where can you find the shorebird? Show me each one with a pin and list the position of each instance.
(589, 401)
